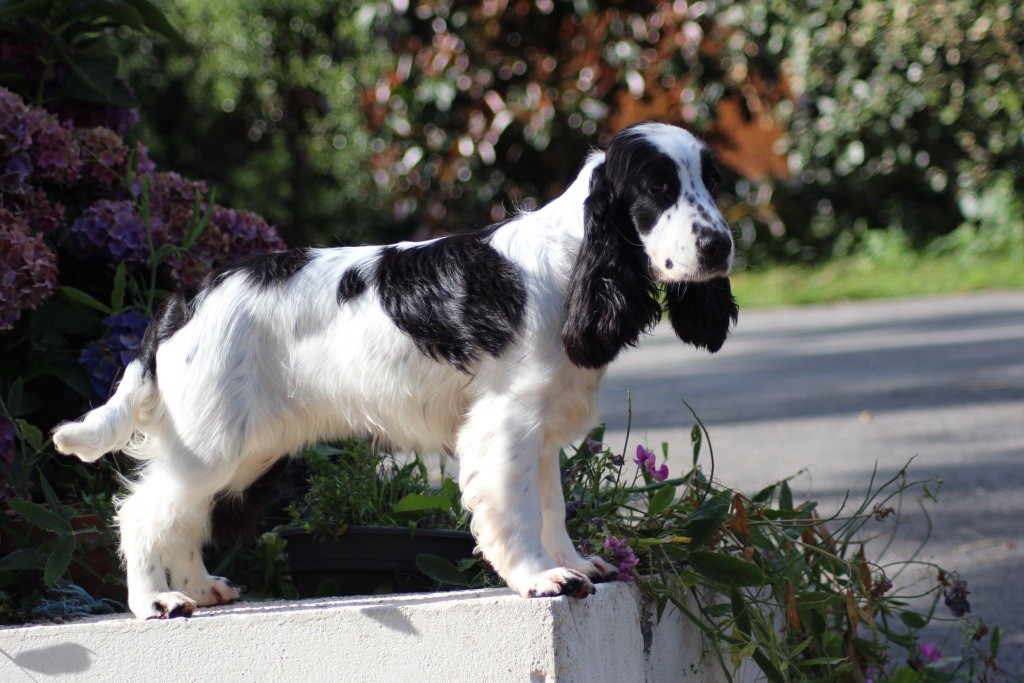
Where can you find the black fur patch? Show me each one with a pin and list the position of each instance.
(173, 314)
(351, 285)
(457, 297)
(709, 173)
(264, 270)
(612, 299)
(701, 313)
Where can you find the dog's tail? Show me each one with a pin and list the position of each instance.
(111, 426)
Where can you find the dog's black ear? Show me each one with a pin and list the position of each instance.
(611, 298)
(701, 313)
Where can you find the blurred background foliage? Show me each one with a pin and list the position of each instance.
(371, 121)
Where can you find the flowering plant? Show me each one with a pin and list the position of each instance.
(766, 578)
(92, 238)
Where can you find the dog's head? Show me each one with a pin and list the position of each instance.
(650, 218)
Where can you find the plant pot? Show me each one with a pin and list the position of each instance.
(366, 560)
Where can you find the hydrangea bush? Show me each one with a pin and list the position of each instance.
(92, 237)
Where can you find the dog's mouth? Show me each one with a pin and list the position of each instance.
(702, 273)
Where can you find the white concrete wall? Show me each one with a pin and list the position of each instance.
(484, 635)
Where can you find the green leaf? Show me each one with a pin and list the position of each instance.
(726, 569)
(156, 20)
(450, 490)
(36, 9)
(696, 438)
(416, 502)
(440, 570)
(37, 515)
(769, 669)
(31, 434)
(23, 559)
(706, 520)
(913, 619)
(997, 639)
(785, 497)
(79, 297)
(93, 74)
(51, 496)
(739, 611)
(59, 560)
(14, 394)
(117, 294)
(661, 499)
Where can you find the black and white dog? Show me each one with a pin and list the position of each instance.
(489, 345)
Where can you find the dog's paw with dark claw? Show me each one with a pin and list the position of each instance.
(171, 605)
(559, 581)
(601, 571)
(215, 590)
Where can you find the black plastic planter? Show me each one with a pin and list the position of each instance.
(366, 559)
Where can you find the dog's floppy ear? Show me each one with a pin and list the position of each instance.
(611, 298)
(701, 313)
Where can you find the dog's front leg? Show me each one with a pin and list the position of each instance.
(499, 452)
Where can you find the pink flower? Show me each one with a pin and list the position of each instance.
(646, 460)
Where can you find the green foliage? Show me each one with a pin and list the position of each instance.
(259, 567)
(906, 109)
(74, 34)
(741, 567)
(354, 485)
(272, 92)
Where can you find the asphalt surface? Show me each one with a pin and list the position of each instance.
(834, 391)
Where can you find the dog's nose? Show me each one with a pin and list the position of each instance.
(714, 250)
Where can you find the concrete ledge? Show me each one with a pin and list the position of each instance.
(483, 635)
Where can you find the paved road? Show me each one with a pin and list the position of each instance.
(836, 389)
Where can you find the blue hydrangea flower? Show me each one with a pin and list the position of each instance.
(105, 358)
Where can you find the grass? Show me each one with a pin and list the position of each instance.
(858, 278)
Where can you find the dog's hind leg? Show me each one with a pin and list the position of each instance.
(164, 521)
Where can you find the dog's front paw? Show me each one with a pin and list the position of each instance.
(600, 570)
(215, 590)
(168, 605)
(555, 582)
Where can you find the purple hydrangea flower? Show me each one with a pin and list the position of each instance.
(105, 358)
(28, 269)
(623, 556)
(34, 209)
(104, 158)
(114, 230)
(14, 134)
(15, 173)
(645, 460)
(55, 153)
(956, 598)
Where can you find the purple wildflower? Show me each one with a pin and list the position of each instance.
(623, 556)
(114, 230)
(55, 153)
(956, 598)
(585, 547)
(28, 269)
(645, 460)
(926, 654)
(593, 446)
(571, 507)
(103, 359)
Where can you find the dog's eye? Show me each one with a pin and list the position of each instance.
(659, 187)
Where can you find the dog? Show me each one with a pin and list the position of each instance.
(489, 346)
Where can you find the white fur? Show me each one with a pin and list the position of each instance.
(260, 372)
